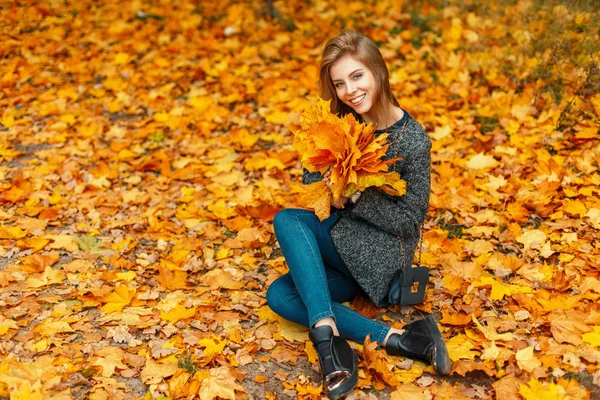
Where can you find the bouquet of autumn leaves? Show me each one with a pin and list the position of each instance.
(350, 150)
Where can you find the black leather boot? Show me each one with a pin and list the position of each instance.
(339, 363)
(421, 340)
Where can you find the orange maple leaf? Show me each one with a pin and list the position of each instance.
(350, 150)
(318, 197)
(378, 364)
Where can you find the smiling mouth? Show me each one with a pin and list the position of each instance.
(358, 99)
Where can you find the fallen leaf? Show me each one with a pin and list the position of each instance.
(535, 390)
(481, 161)
(49, 277)
(221, 384)
(461, 347)
(117, 300)
(410, 392)
(532, 239)
(527, 360)
(592, 338)
(155, 372)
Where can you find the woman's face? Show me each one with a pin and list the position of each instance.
(354, 84)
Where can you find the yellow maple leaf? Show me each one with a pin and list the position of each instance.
(221, 210)
(55, 198)
(220, 383)
(527, 360)
(521, 111)
(242, 137)
(50, 328)
(408, 376)
(109, 363)
(118, 299)
(154, 372)
(35, 243)
(587, 133)
(6, 324)
(260, 162)
(410, 392)
(66, 242)
(481, 161)
(389, 182)
(38, 346)
(222, 253)
(532, 239)
(25, 393)
(460, 347)
(177, 313)
(218, 278)
(490, 333)
(124, 276)
(264, 313)
(178, 384)
(49, 277)
(130, 316)
(594, 215)
(308, 389)
(592, 338)
(7, 120)
(491, 352)
(536, 390)
(213, 345)
(500, 289)
(311, 353)
(451, 282)
(292, 331)
(31, 379)
(574, 207)
(495, 183)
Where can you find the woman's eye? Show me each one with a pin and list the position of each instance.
(339, 84)
(357, 76)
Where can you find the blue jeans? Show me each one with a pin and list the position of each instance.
(318, 281)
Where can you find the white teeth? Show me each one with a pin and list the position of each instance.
(358, 99)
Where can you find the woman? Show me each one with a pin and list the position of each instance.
(368, 237)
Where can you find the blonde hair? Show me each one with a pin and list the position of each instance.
(365, 51)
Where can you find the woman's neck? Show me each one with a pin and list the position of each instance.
(387, 119)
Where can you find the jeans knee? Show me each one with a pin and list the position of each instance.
(275, 296)
(283, 219)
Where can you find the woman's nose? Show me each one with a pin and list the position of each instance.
(351, 87)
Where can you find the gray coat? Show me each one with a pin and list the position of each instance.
(372, 235)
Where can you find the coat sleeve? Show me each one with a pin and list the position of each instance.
(401, 216)
(310, 177)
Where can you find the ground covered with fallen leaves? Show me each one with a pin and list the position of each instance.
(145, 147)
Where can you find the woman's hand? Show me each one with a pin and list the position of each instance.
(327, 178)
(354, 198)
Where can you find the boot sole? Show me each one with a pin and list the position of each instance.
(348, 385)
(442, 363)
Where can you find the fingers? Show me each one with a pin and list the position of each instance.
(327, 178)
